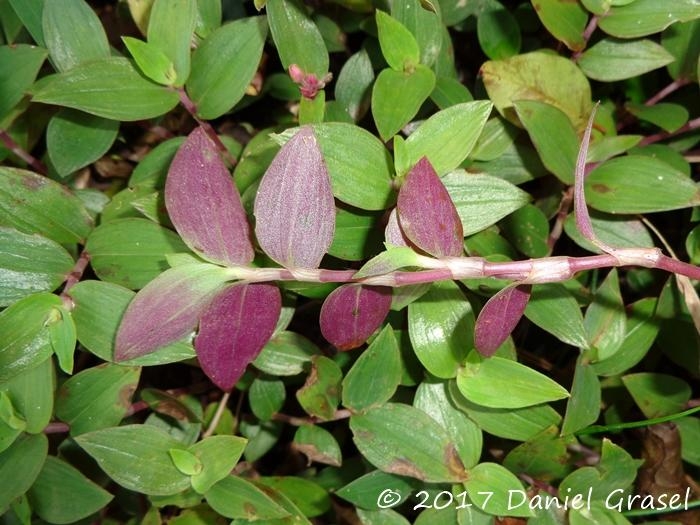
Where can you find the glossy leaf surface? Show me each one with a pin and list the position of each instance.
(234, 328)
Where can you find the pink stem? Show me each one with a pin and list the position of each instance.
(689, 126)
(15, 148)
(673, 86)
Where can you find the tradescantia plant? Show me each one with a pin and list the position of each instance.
(350, 262)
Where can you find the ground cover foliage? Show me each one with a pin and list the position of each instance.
(349, 262)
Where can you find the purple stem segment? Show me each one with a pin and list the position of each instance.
(15, 148)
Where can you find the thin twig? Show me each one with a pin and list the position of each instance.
(27, 157)
(74, 277)
(300, 421)
(663, 93)
(587, 33)
(217, 415)
(657, 137)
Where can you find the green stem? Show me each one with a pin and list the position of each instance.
(598, 429)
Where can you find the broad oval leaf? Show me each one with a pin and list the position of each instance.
(501, 383)
(110, 88)
(352, 312)
(610, 59)
(20, 65)
(234, 328)
(399, 46)
(639, 184)
(646, 17)
(224, 64)
(204, 204)
(20, 465)
(566, 21)
(167, 309)
(425, 452)
(427, 214)
(294, 206)
(498, 318)
(496, 490)
(237, 498)
(116, 448)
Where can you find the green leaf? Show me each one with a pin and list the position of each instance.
(266, 397)
(153, 168)
(611, 146)
(357, 235)
(47, 207)
(689, 428)
(682, 40)
(11, 425)
(224, 64)
(448, 136)
(642, 329)
(359, 165)
(99, 307)
(426, 453)
(32, 395)
(62, 494)
(25, 335)
(545, 456)
(605, 318)
(67, 46)
(657, 395)
(527, 228)
(397, 97)
(63, 338)
(19, 64)
(209, 14)
(495, 139)
(381, 517)
(318, 445)
(645, 17)
(482, 200)
(153, 62)
(614, 230)
(75, 139)
(449, 92)
(566, 21)
(311, 499)
(399, 46)
(115, 448)
(237, 498)
(519, 424)
(670, 117)
(297, 39)
(441, 327)
(610, 59)
(29, 12)
(321, 392)
(30, 264)
(286, 354)
(425, 25)
(433, 399)
(20, 465)
(373, 378)
(583, 407)
(109, 88)
(539, 76)
(501, 383)
(495, 490)
(363, 491)
(498, 32)
(656, 186)
(554, 309)
(218, 456)
(170, 28)
(352, 87)
(132, 252)
(97, 397)
(553, 136)
(616, 471)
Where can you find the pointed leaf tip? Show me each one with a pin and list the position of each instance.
(498, 318)
(352, 313)
(204, 204)
(426, 213)
(294, 206)
(234, 328)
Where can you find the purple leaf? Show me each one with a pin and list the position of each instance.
(498, 318)
(392, 233)
(167, 309)
(294, 207)
(204, 204)
(427, 215)
(352, 312)
(234, 328)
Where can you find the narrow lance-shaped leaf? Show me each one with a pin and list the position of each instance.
(167, 309)
(351, 313)
(204, 204)
(234, 328)
(294, 207)
(427, 214)
(498, 318)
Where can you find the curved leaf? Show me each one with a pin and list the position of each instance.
(352, 312)
(294, 206)
(204, 204)
(234, 328)
(498, 318)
